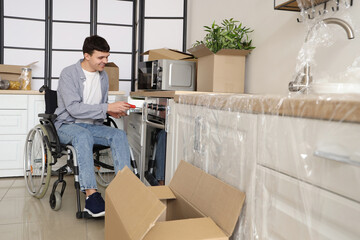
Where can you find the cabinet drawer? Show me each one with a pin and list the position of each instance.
(288, 145)
(287, 208)
(11, 149)
(13, 101)
(13, 121)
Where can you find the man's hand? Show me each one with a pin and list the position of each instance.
(118, 109)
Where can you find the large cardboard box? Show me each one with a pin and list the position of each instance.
(113, 73)
(194, 206)
(165, 53)
(220, 72)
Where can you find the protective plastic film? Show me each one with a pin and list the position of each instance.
(329, 30)
(296, 157)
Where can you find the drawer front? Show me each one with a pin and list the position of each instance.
(13, 101)
(13, 121)
(12, 151)
(289, 144)
(287, 208)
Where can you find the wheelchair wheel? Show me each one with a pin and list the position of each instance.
(37, 161)
(55, 201)
(104, 175)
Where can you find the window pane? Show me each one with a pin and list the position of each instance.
(125, 86)
(36, 84)
(25, 57)
(71, 10)
(163, 33)
(25, 8)
(164, 8)
(60, 60)
(119, 12)
(70, 35)
(119, 38)
(123, 61)
(24, 33)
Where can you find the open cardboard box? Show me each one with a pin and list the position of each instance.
(220, 72)
(112, 71)
(165, 53)
(197, 206)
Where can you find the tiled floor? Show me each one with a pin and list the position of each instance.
(25, 217)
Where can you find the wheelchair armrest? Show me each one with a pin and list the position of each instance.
(46, 116)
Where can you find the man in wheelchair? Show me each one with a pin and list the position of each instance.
(82, 107)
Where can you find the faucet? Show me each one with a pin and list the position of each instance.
(306, 77)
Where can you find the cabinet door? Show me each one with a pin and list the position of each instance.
(13, 121)
(287, 208)
(222, 143)
(11, 157)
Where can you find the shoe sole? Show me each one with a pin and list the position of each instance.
(100, 214)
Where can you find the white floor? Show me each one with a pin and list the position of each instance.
(25, 217)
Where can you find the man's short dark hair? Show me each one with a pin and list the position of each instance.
(97, 43)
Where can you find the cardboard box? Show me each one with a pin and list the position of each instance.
(165, 53)
(10, 72)
(220, 72)
(113, 73)
(197, 206)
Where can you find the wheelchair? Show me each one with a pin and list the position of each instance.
(43, 149)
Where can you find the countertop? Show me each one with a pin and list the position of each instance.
(335, 107)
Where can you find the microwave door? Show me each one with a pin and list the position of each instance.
(145, 75)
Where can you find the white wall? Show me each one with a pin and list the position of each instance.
(277, 36)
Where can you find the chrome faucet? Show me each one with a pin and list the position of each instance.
(306, 77)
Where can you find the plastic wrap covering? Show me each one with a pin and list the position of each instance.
(296, 157)
(329, 32)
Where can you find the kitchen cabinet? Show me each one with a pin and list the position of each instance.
(301, 175)
(18, 114)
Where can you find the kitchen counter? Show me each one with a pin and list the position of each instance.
(328, 107)
(36, 92)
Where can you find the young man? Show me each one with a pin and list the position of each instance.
(82, 106)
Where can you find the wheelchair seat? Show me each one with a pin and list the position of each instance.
(43, 149)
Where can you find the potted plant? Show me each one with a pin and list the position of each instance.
(221, 57)
(228, 35)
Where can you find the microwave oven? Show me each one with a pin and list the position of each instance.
(165, 74)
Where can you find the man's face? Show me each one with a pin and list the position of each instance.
(97, 60)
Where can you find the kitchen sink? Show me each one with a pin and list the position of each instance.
(335, 87)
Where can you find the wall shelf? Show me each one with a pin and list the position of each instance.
(292, 5)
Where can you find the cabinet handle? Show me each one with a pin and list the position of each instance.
(336, 157)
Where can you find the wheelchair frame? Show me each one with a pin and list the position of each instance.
(52, 149)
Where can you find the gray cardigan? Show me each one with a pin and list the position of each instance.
(70, 97)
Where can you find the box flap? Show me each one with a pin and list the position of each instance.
(194, 229)
(233, 52)
(110, 64)
(165, 53)
(214, 198)
(14, 69)
(162, 192)
(135, 205)
(200, 51)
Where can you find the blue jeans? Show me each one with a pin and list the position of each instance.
(160, 155)
(83, 136)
